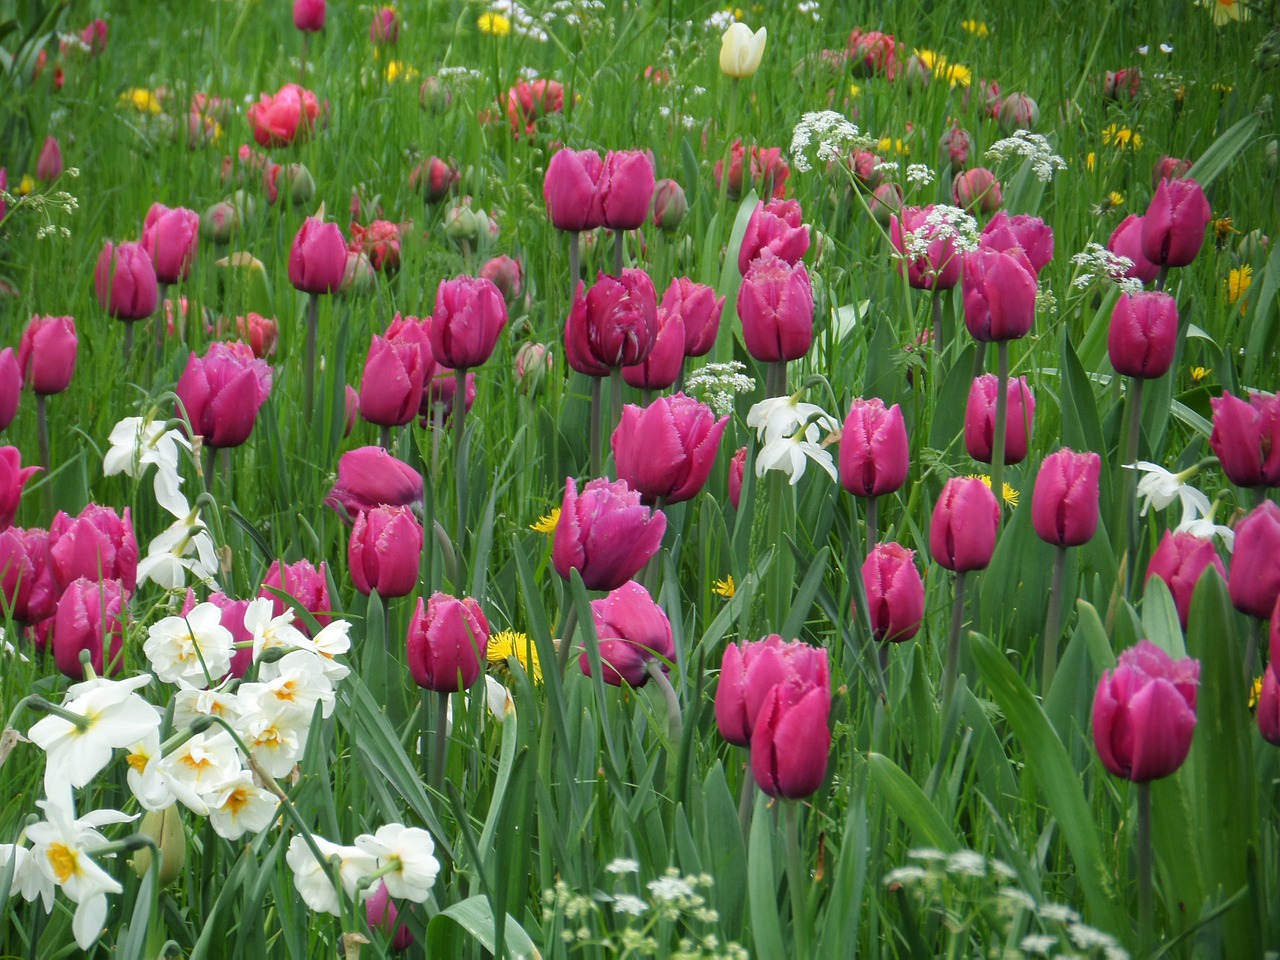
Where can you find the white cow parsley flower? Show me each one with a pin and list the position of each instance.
(833, 133)
(1031, 146)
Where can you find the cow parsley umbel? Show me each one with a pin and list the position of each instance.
(831, 132)
(1096, 262)
(942, 223)
(1031, 146)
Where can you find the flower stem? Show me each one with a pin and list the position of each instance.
(952, 668)
(1002, 417)
(615, 399)
(872, 525)
(1129, 515)
(1251, 650)
(128, 341)
(675, 718)
(575, 264)
(597, 414)
(566, 636)
(619, 238)
(935, 306)
(797, 879)
(42, 428)
(1053, 622)
(440, 742)
(384, 437)
(309, 379)
(459, 455)
(775, 379)
(1146, 898)
(746, 800)
(161, 322)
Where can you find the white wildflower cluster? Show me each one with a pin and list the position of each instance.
(790, 431)
(720, 21)
(73, 41)
(716, 385)
(459, 73)
(812, 8)
(576, 13)
(46, 206)
(402, 858)
(523, 23)
(943, 222)
(833, 133)
(885, 167)
(918, 174)
(1046, 302)
(1096, 262)
(1031, 146)
(687, 121)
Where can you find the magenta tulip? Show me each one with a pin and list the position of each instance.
(938, 268)
(1143, 334)
(318, 257)
(1144, 713)
(605, 533)
(980, 418)
(384, 551)
(369, 477)
(10, 386)
(1180, 561)
(1169, 168)
(1031, 234)
(668, 448)
(469, 317)
(1246, 438)
(91, 615)
(873, 449)
(977, 191)
(13, 477)
(126, 281)
(1254, 582)
(661, 368)
(699, 311)
(170, 237)
(895, 592)
(308, 15)
(775, 304)
(1269, 705)
(26, 584)
(384, 28)
(626, 189)
(1064, 506)
(49, 163)
(380, 910)
(612, 325)
(505, 274)
(999, 295)
(748, 675)
(669, 205)
(737, 470)
(394, 374)
(791, 742)
(447, 643)
(1173, 226)
(571, 190)
(98, 544)
(47, 354)
(777, 228)
(632, 630)
(221, 393)
(966, 519)
(1126, 241)
(305, 584)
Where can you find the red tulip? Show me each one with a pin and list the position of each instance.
(977, 191)
(97, 544)
(775, 227)
(668, 448)
(91, 616)
(748, 675)
(980, 417)
(895, 592)
(873, 449)
(385, 26)
(940, 266)
(1143, 334)
(872, 53)
(1254, 583)
(661, 368)
(369, 477)
(1030, 234)
(433, 178)
(47, 354)
(768, 171)
(626, 189)
(260, 333)
(1126, 241)
(505, 274)
(94, 36)
(380, 242)
(1173, 226)
(126, 281)
(1122, 84)
(305, 584)
(447, 643)
(613, 325)
(775, 304)
(737, 470)
(571, 190)
(469, 317)
(1169, 168)
(1064, 506)
(528, 101)
(170, 237)
(318, 257)
(632, 631)
(1180, 561)
(221, 393)
(1144, 713)
(1246, 438)
(384, 551)
(791, 743)
(308, 15)
(49, 163)
(966, 519)
(287, 117)
(605, 533)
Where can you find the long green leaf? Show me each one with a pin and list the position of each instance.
(904, 798)
(449, 930)
(762, 885)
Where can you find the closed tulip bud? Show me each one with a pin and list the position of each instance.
(287, 117)
(571, 190)
(10, 386)
(605, 533)
(669, 205)
(380, 910)
(999, 296)
(260, 333)
(298, 183)
(1169, 168)
(384, 551)
(533, 362)
(369, 477)
(1064, 506)
(612, 325)
(626, 189)
(358, 276)
(791, 743)
(954, 148)
(469, 317)
(661, 368)
(775, 304)
(98, 543)
(1143, 334)
(308, 15)
(741, 50)
(872, 53)
(895, 592)
(980, 417)
(434, 179)
(632, 631)
(303, 582)
(221, 393)
(394, 375)
(91, 616)
(774, 228)
(977, 191)
(170, 237)
(49, 163)
(668, 448)
(966, 519)
(463, 222)
(126, 281)
(750, 673)
(1254, 583)
(1144, 713)
(1173, 226)
(737, 470)
(317, 257)
(1018, 112)
(940, 266)
(1246, 438)
(384, 28)
(1126, 241)
(699, 312)
(219, 222)
(352, 407)
(505, 274)
(873, 449)
(20, 555)
(448, 643)
(94, 36)
(885, 204)
(1269, 705)
(435, 96)
(47, 354)
(1180, 561)
(1030, 234)
(1270, 160)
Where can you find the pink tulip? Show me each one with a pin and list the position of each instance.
(737, 470)
(777, 228)
(47, 354)
(221, 393)
(1169, 168)
(434, 178)
(125, 281)
(614, 324)
(571, 190)
(980, 418)
(305, 584)
(1269, 705)
(626, 189)
(750, 673)
(873, 449)
(954, 148)
(670, 205)
(97, 544)
(170, 238)
(49, 163)
(966, 519)
(1254, 583)
(1180, 561)
(1064, 506)
(447, 643)
(10, 386)
(1144, 713)
(895, 592)
(791, 743)
(394, 375)
(380, 910)
(668, 448)
(999, 296)
(1018, 112)
(13, 477)
(384, 28)
(469, 317)
(939, 267)
(505, 274)
(91, 616)
(369, 477)
(632, 631)
(287, 117)
(661, 368)
(605, 533)
(308, 15)
(977, 191)
(1030, 234)
(699, 312)
(1126, 241)
(775, 304)
(384, 551)
(1246, 438)
(26, 583)
(1143, 334)
(1173, 226)
(318, 257)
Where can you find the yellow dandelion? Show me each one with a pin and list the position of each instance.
(1198, 374)
(1255, 693)
(928, 58)
(854, 89)
(1223, 229)
(1090, 161)
(144, 101)
(1222, 88)
(494, 24)
(1122, 138)
(547, 522)
(396, 70)
(1010, 494)
(1115, 198)
(739, 13)
(896, 144)
(1238, 281)
(956, 74)
(976, 27)
(724, 588)
(25, 186)
(506, 644)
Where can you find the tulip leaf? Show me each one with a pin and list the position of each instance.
(803, 600)
(1222, 151)
(1262, 328)
(1049, 764)
(762, 884)
(724, 850)
(904, 798)
(948, 412)
(449, 930)
(1160, 618)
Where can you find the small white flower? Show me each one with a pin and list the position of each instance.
(629, 904)
(29, 881)
(1033, 147)
(1038, 943)
(670, 888)
(1159, 488)
(791, 454)
(183, 545)
(410, 852)
(199, 768)
(622, 865)
(311, 877)
(296, 681)
(240, 806)
(275, 733)
(196, 648)
(904, 875)
(135, 442)
(968, 863)
(143, 775)
(919, 174)
(779, 417)
(270, 632)
(1166, 48)
(833, 133)
(1059, 913)
(1205, 528)
(191, 702)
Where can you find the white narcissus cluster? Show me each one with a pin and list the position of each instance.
(402, 857)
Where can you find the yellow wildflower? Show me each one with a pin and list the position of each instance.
(1222, 230)
(144, 101)
(854, 89)
(724, 588)
(1199, 373)
(976, 27)
(396, 70)
(25, 186)
(1090, 161)
(1255, 693)
(547, 522)
(1010, 494)
(494, 24)
(1222, 88)
(1238, 281)
(506, 644)
(1121, 138)
(1115, 198)
(895, 143)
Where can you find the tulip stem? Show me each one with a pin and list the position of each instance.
(566, 636)
(797, 879)
(161, 320)
(775, 379)
(460, 459)
(309, 383)
(952, 668)
(872, 525)
(979, 359)
(1053, 622)
(575, 264)
(1162, 277)
(42, 429)
(1146, 897)
(441, 741)
(1002, 417)
(1129, 515)
(746, 799)
(615, 399)
(128, 341)
(1251, 650)
(206, 466)
(935, 306)
(675, 719)
(619, 239)
(384, 437)
(597, 414)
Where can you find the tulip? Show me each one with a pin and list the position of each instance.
(435, 96)
(1064, 506)
(626, 189)
(259, 332)
(351, 407)
(737, 470)
(633, 631)
(384, 28)
(219, 222)
(750, 673)
(699, 312)
(873, 449)
(741, 50)
(977, 191)
(380, 243)
(669, 205)
(571, 190)
(895, 592)
(999, 296)
(1030, 234)
(395, 373)
(1269, 705)
(381, 913)
(91, 615)
(98, 544)
(613, 325)
(13, 477)
(170, 237)
(605, 533)
(667, 449)
(10, 386)
(318, 257)
(126, 281)
(49, 163)
(4, 187)
(47, 354)
(791, 742)
(286, 118)
(1173, 226)
(980, 416)
(872, 53)
(505, 274)
(1017, 112)
(1126, 241)
(1246, 438)
(528, 101)
(1180, 561)
(440, 392)
(1144, 713)
(19, 555)
(221, 393)
(662, 367)
(774, 228)
(434, 179)
(447, 643)
(308, 15)
(302, 582)
(1143, 334)
(468, 319)
(1254, 583)
(954, 148)
(384, 551)
(775, 304)
(940, 266)
(885, 204)
(962, 531)
(1169, 168)
(94, 36)
(533, 361)
(358, 277)
(768, 170)
(1121, 85)
(369, 477)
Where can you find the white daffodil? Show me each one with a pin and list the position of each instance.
(136, 442)
(274, 732)
(780, 417)
(790, 455)
(29, 880)
(191, 702)
(408, 855)
(270, 632)
(116, 717)
(183, 545)
(332, 641)
(196, 647)
(311, 878)
(297, 680)
(240, 806)
(1159, 488)
(143, 775)
(199, 767)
